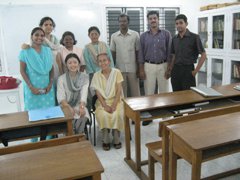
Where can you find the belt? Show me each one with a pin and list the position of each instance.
(151, 62)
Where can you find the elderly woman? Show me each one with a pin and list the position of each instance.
(90, 53)
(107, 84)
(72, 91)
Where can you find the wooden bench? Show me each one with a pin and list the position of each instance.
(154, 155)
(159, 151)
(42, 144)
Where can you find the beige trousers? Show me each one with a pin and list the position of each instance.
(155, 72)
(130, 82)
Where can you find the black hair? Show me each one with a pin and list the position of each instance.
(93, 28)
(124, 15)
(44, 19)
(181, 16)
(103, 54)
(37, 29)
(72, 55)
(152, 13)
(68, 33)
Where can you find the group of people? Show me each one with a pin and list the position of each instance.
(69, 76)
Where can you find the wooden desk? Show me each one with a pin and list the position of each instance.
(161, 103)
(16, 126)
(202, 140)
(164, 132)
(68, 161)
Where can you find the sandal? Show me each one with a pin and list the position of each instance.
(106, 146)
(117, 146)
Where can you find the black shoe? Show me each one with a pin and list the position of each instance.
(145, 123)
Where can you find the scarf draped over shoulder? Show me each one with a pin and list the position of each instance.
(76, 87)
(39, 62)
(97, 84)
(101, 48)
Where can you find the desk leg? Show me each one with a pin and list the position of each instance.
(165, 154)
(96, 176)
(138, 144)
(172, 161)
(196, 165)
(69, 128)
(127, 138)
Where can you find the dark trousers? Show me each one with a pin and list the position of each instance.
(182, 78)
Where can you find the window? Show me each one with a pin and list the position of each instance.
(135, 15)
(166, 16)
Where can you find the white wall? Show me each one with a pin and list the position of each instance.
(18, 17)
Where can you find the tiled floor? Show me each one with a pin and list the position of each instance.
(115, 167)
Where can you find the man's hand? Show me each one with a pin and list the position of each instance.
(194, 73)
(167, 74)
(142, 75)
(137, 73)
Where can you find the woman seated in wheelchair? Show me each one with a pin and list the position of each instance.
(72, 91)
(107, 85)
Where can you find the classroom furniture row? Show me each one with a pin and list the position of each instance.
(164, 106)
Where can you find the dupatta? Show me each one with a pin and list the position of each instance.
(101, 48)
(75, 86)
(39, 62)
(97, 84)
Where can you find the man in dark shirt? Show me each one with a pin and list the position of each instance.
(186, 46)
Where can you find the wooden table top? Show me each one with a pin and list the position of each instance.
(176, 98)
(75, 160)
(20, 120)
(209, 132)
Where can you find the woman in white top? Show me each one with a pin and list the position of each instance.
(72, 91)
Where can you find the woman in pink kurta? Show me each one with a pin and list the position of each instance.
(68, 41)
